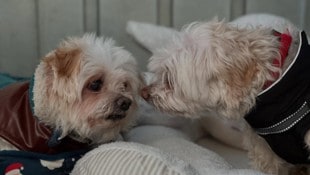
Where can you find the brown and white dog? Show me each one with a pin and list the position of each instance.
(83, 93)
(256, 68)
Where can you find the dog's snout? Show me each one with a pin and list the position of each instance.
(145, 93)
(123, 103)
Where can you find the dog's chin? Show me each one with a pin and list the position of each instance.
(102, 127)
(116, 116)
(175, 109)
(114, 119)
(107, 129)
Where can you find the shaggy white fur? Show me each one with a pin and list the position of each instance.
(219, 68)
(154, 37)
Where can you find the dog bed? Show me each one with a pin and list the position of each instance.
(156, 150)
(159, 146)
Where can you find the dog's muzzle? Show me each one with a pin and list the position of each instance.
(121, 105)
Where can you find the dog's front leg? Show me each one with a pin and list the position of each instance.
(262, 157)
(307, 139)
(307, 142)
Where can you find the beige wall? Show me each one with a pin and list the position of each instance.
(30, 28)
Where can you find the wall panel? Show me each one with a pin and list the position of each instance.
(185, 11)
(114, 15)
(306, 17)
(18, 40)
(31, 28)
(57, 20)
(286, 8)
(91, 11)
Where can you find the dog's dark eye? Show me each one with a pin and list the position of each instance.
(95, 86)
(125, 84)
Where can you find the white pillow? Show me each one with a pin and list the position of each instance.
(124, 158)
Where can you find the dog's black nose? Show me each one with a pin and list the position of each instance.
(123, 103)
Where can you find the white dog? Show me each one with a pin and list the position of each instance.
(83, 93)
(254, 68)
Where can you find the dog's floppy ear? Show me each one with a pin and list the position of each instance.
(62, 65)
(239, 88)
(64, 61)
(151, 36)
(238, 64)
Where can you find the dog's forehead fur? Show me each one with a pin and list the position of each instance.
(95, 56)
(100, 51)
(101, 56)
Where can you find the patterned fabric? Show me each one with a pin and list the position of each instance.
(122, 158)
(30, 163)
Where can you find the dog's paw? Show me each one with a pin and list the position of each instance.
(307, 139)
